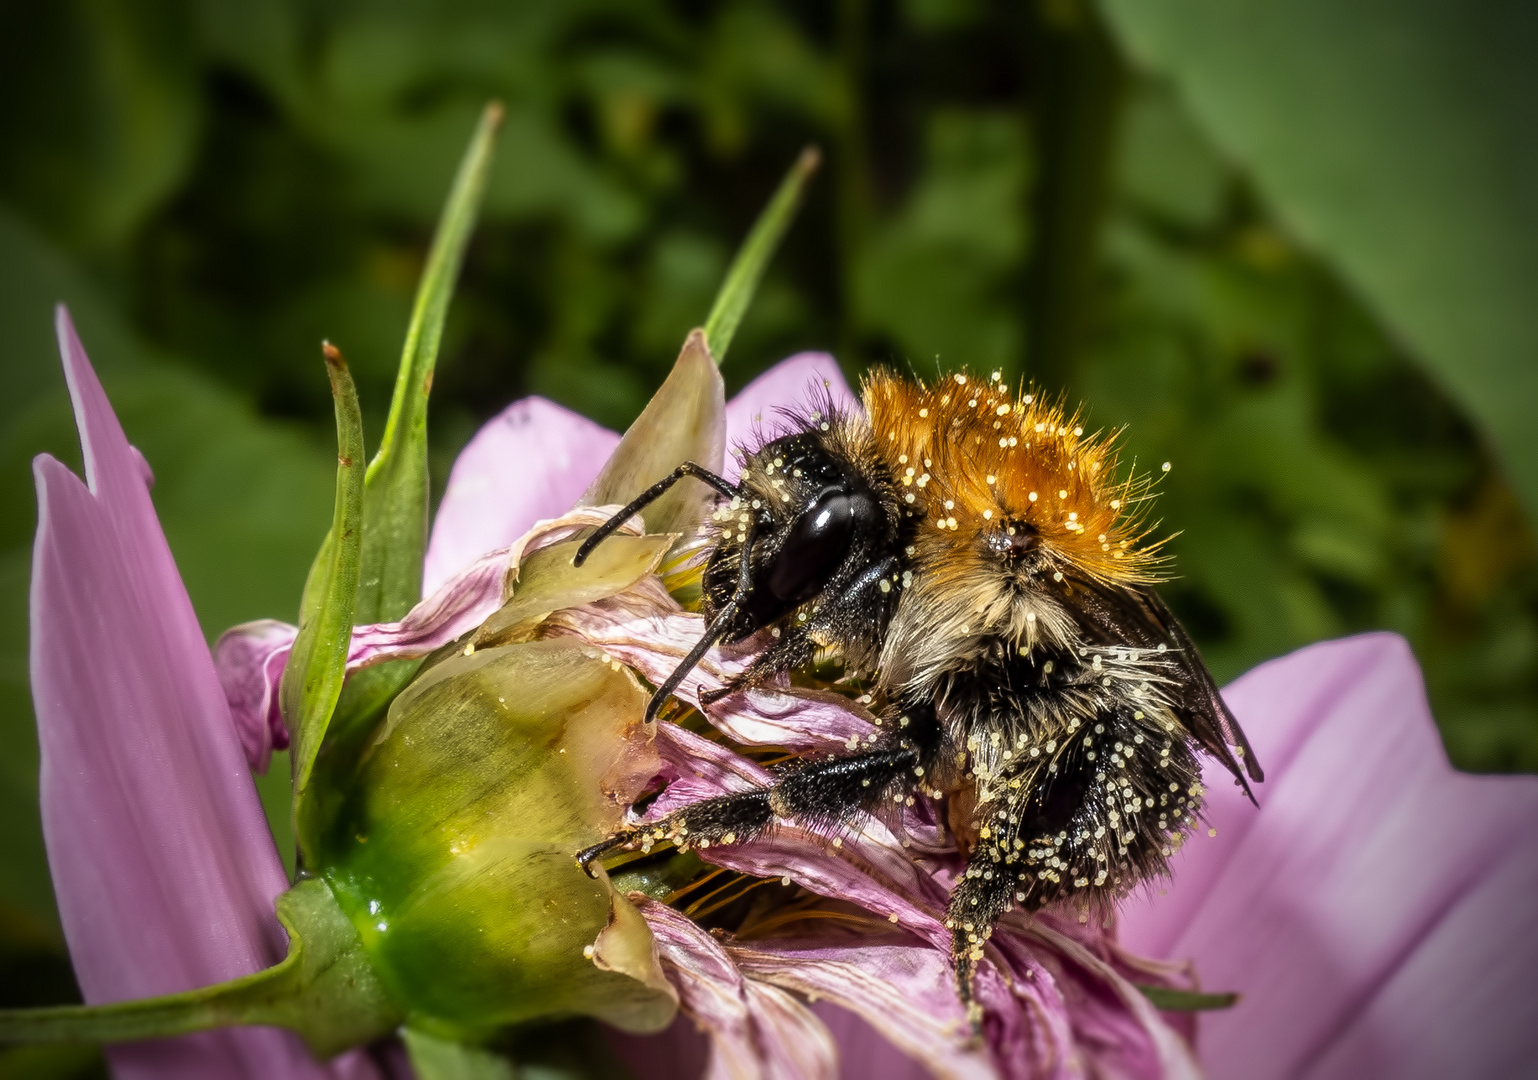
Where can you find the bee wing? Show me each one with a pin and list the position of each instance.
(1138, 616)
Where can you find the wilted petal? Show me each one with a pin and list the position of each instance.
(163, 867)
(1115, 1030)
(808, 381)
(533, 460)
(904, 989)
(646, 628)
(249, 659)
(1377, 912)
(756, 1030)
(868, 867)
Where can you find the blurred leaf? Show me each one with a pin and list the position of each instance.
(938, 277)
(442, 1059)
(1398, 138)
(395, 495)
(101, 112)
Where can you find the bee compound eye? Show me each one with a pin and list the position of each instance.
(815, 545)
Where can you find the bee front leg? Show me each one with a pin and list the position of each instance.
(726, 819)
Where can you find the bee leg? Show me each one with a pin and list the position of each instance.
(978, 901)
(862, 600)
(829, 793)
(725, 819)
(586, 856)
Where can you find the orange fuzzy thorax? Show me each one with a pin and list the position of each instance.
(976, 457)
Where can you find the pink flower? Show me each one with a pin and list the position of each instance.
(1375, 912)
(162, 863)
(1379, 915)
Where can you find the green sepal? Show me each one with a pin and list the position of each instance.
(547, 581)
(312, 681)
(1169, 999)
(684, 421)
(395, 499)
(753, 257)
(443, 1059)
(325, 990)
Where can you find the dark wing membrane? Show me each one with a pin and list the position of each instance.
(1138, 617)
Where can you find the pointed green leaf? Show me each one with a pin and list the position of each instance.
(684, 421)
(325, 990)
(395, 501)
(753, 257)
(1170, 1000)
(313, 679)
(443, 1059)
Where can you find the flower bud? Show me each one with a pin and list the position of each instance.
(453, 853)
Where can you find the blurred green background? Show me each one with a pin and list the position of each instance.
(1289, 245)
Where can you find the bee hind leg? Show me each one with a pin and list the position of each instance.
(977, 903)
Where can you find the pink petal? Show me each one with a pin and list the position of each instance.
(1377, 912)
(904, 990)
(756, 1030)
(249, 659)
(646, 629)
(808, 381)
(533, 460)
(162, 863)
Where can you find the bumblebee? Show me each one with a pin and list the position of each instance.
(972, 552)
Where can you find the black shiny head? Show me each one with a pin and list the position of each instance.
(819, 521)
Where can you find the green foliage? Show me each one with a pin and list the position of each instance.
(1398, 139)
(395, 493)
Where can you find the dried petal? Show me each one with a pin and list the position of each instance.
(757, 1031)
(249, 659)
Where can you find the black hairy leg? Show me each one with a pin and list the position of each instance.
(843, 615)
(820, 794)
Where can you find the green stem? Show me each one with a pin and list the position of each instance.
(1080, 83)
(324, 989)
(1169, 1000)
(753, 257)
